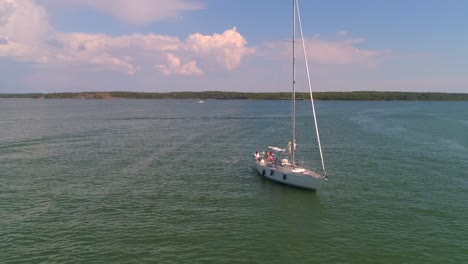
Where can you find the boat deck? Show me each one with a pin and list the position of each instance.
(290, 169)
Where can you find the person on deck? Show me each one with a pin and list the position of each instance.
(271, 156)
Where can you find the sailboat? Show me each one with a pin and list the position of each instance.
(278, 164)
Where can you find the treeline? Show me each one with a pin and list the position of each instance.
(390, 96)
(359, 95)
(204, 95)
(24, 95)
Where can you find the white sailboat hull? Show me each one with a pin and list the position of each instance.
(288, 177)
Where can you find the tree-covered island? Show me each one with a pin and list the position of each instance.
(355, 96)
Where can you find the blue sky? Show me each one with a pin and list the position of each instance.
(242, 45)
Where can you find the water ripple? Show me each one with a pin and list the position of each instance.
(172, 182)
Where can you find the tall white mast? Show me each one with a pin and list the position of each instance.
(293, 87)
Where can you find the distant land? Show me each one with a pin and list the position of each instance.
(355, 96)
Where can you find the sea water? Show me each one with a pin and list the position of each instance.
(173, 181)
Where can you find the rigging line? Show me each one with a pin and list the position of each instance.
(310, 86)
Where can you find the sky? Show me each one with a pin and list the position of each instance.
(232, 45)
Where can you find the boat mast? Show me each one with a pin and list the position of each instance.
(293, 86)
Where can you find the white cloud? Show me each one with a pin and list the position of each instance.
(342, 52)
(23, 21)
(136, 12)
(24, 26)
(21, 52)
(175, 66)
(227, 49)
(343, 33)
(26, 35)
(330, 52)
(6, 10)
(131, 53)
(93, 49)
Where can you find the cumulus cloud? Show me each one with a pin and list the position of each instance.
(26, 35)
(227, 48)
(93, 49)
(23, 21)
(137, 12)
(24, 25)
(215, 51)
(176, 67)
(171, 55)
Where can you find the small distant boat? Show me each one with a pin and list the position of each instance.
(201, 102)
(279, 164)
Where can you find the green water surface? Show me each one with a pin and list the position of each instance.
(172, 181)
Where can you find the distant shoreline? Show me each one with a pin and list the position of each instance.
(348, 96)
